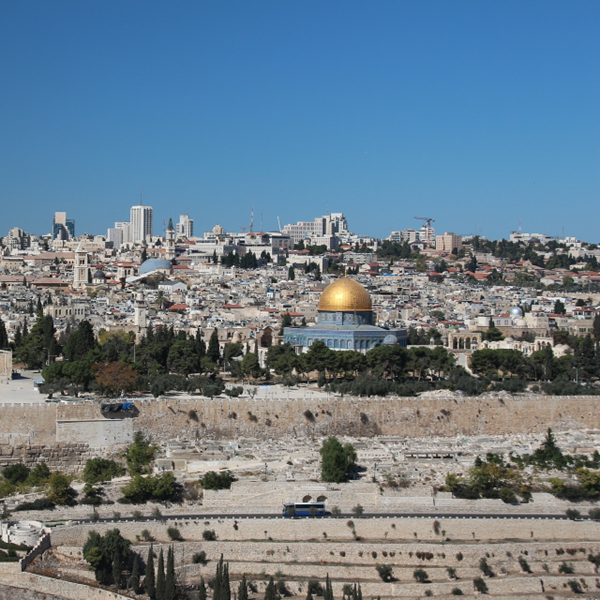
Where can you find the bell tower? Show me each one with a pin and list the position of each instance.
(81, 268)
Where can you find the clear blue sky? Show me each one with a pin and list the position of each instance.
(478, 114)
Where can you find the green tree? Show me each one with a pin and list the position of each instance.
(97, 470)
(214, 351)
(182, 357)
(80, 342)
(149, 580)
(271, 591)
(59, 489)
(336, 460)
(160, 577)
(251, 366)
(243, 589)
(202, 589)
(291, 273)
(106, 553)
(140, 454)
(3, 336)
(170, 583)
(134, 580)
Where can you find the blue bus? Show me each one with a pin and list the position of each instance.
(304, 509)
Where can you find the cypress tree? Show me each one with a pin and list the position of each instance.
(225, 587)
(117, 570)
(309, 596)
(134, 580)
(328, 593)
(149, 581)
(3, 336)
(202, 590)
(243, 589)
(271, 591)
(160, 577)
(214, 352)
(170, 588)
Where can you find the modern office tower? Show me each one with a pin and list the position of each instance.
(115, 236)
(125, 228)
(62, 228)
(185, 227)
(448, 242)
(141, 223)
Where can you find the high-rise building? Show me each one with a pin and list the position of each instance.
(185, 227)
(448, 242)
(125, 228)
(115, 236)
(141, 223)
(62, 228)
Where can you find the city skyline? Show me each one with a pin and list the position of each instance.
(479, 116)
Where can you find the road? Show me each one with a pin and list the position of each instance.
(402, 515)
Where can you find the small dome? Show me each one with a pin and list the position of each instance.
(345, 294)
(99, 274)
(155, 264)
(390, 340)
(516, 311)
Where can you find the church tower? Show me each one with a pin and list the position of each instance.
(170, 244)
(81, 268)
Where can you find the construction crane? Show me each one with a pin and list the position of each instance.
(428, 222)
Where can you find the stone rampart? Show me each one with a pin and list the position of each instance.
(46, 424)
(228, 418)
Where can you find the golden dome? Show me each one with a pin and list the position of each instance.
(345, 294)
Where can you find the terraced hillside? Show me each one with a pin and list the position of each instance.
(526, 558)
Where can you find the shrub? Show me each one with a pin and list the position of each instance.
(451, 572)
(480, 585)
(39, 504)
(174, 534)
(97, 470)
(146, 536)
(575, 586)
(566, 569)
(385, 572)
(524, 565)
(209, 535)
(199, 558)
(572, 513)
(358, 510)
(420, 576)
(459, 556)
(16, 473)
(137, 515)
(457, 592)
(217, 481)
(485, 568)
(595, 514)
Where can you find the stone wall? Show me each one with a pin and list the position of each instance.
(227, 418)
(44, 424)
(394, 530)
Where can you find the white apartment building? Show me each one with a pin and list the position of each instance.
(322, 227)
(448, 242)
(185, 227)
(115, 236)
(141, 223)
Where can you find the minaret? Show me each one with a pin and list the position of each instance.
(139, 318)
(81, 268)
(170, 244)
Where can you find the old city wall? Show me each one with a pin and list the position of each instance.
(32, 432)
(225, 418)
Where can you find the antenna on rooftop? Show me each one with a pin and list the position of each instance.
(252, 218)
